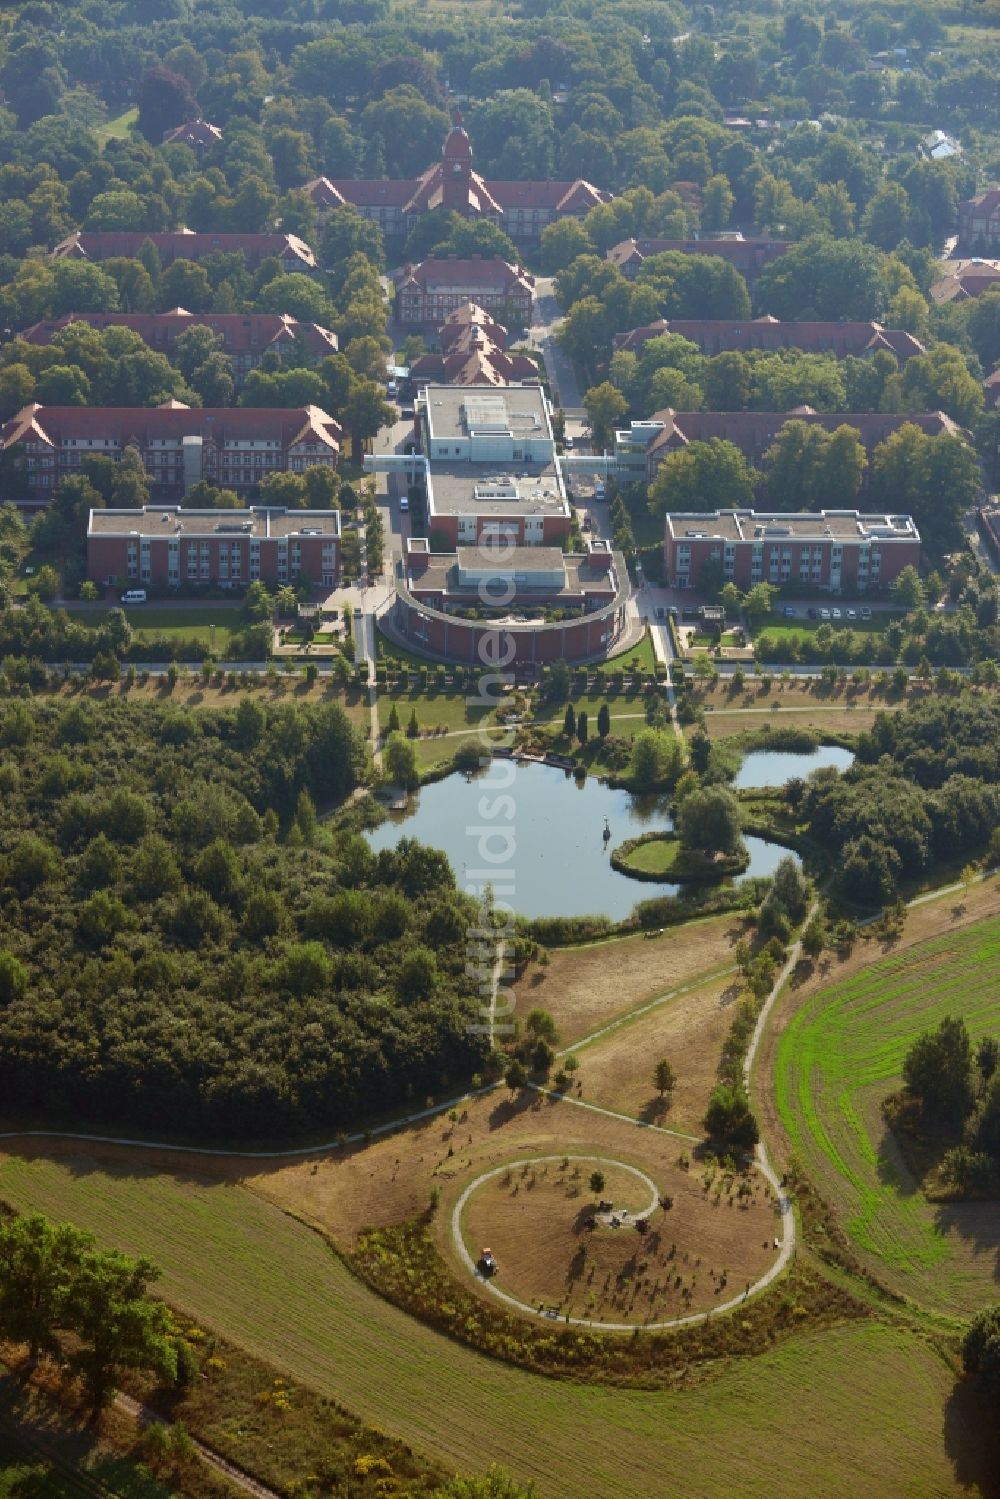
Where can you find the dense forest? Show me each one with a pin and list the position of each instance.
(186, 948)
(925, 789)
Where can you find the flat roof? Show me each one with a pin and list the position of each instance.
(494, 489)
(511, 559)
(774, 527)
(457, 410)
(580, 576)
(171, 520)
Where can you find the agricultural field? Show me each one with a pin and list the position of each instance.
(868, 1408)
(839, 1056)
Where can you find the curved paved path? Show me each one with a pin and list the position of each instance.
(631, 1327)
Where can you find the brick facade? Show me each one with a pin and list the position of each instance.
(840, 551)
(231, 447)
(164, 547)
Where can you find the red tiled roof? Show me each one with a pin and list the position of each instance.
(240, 331)
(713, 335)
(741, 253)
(753, 431)
(144, 423)
(174, 244)
(489, 271)
(192, 133)
(475, 366)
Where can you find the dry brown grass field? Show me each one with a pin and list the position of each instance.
(584, 988)
(616, 1072)
(535, 1218)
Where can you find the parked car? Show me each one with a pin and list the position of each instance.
(690, 615)
(788, 612)
(811, 612)
(134, 596)
(866, 612)
(404, 504)
(852, 614)
(824, 614)
(837, 614)
(568, 443)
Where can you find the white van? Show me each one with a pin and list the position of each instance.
(599, 490)
(134, 596)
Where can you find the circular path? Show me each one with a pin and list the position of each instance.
(785, 1245)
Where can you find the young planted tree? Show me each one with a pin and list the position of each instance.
(664, 1077)
(597, 1182)
(604, 721)
(569, 722)
(582, 730)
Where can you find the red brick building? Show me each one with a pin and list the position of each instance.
(165, 546)
(426, 294)
(521, 209)
(518, 586)
(841, 551)
(246, 336)
(753, 432)
(232, 447)
(473, 352)
(184, 244)
(767, 334)
(748, 256)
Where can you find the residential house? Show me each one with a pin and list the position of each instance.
(198, 135)
(965, 279)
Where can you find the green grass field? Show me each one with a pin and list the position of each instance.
(799, 629)
(208, 625)
(656, 857)
(867, 1409)
(839, 1057)
(118, 127)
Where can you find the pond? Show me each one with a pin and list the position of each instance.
(775, 767)
(538, 835)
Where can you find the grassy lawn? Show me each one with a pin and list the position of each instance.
(873, 1408)
(799, 628)
(197, 623)
(656, 857)
(621, 705)
(840, 1055)
(118, 127)
(641, 656)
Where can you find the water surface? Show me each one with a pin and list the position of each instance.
(775, 767)
(538, 834)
